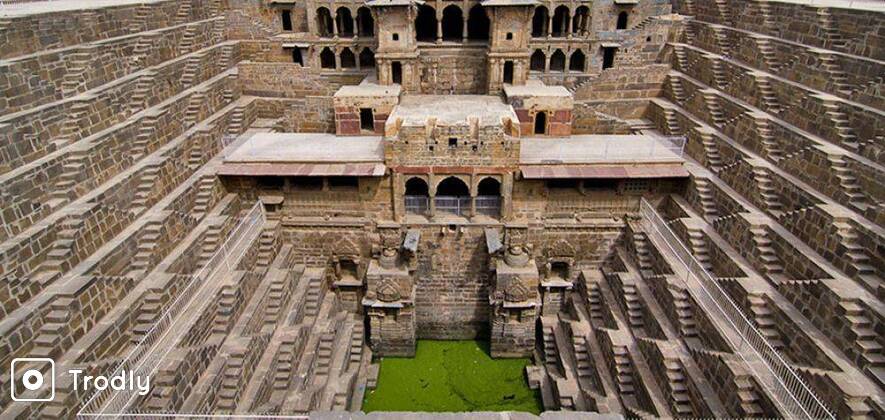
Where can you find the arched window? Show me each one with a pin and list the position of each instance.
(425, 24)
(489, 186)
(560, 21)
(365, 22)
(488, 197)
(324, 22)
(541, 123)
(508, 72)
(367, 59)
(557, 61)
(345, 21)
(622, 20)
(539, 60)
(417, 196)
(539, 22)
(348, 60)
(478, 24)
(582, 16)
(577, 61)
(327, 59)
(452, 23)
(396, 72)
(452, 187)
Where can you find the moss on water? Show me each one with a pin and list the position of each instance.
(452, 376)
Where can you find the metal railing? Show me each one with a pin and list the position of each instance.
(452, 204)
(790, 391)
(417, 204)
(489, 205)
(146, 356)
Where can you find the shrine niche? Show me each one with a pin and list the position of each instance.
(515, 302)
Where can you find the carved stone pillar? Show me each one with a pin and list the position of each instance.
(515, 301)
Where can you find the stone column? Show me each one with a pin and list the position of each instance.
(547, 63)
(568, 58)
(464, 29)
(549, 24)
(337, 59)
(335, 25)
(438, 30)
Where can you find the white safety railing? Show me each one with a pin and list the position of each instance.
(489, 205)
(452, 204)
(417, 204)
(146, 356)
(791, 392)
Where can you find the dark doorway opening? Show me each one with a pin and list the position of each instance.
(367, 119)
(508, 72)
(538, 61)
(622, 21)
(425, 24)
(367, 59)
(348, 60)
(541, 123)
(365, 22)
(396, 72)
(453, 24)
(345, 22)
(296, 56)
(557, 61)
(577, 61)
(478, 24)
(286, 15)
(324, 22)
(327, 59)
(608, 57)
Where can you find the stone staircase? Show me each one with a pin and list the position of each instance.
(844, 132)
(711, 152)
(643, 257)
(71, 129)
(357, 339)
(769, 144)
(194, 105)
(766, 189)
(325, 348)
(679, 398)
(205, 189)
(834, 38)
(54, 334)
(713, 107)
(672, 121)
(191, 70)
(228, 302)
(764, 320)
(139, 24)
(266, 248)
(184, 12)
(235, 127)
(211, 242)
(720, 81)
(314, 295)
(866, 341)
(623, 370)
(227, 53)
(768, 53)
(276, 296)
(848, 182)
(633, 305)
(767, 94)
(187, 40)
(595, 304)
(766, 254)
(721, 38)
(830, 63)
(284, 368)
(142, 144)
(78, 64)
(195, 157)
(856, 254)
(139, 99)
(767, 14)
(147, 244)
(676, 88)
(698, 245)
(548, 346)
(724, 13)
(706, 198)
(151, 309)
(684, 312)
(231, 383)
(583, 360)
(681, 58)
(73, 170)
(142, 197)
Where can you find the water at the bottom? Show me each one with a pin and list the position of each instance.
(452, 376)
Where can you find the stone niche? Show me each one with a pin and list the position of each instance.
(514, 301)
(542, 110)
(363, 109)
(390, 305)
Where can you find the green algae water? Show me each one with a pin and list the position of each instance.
(452, 376)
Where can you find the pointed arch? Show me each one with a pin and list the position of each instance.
(478, 23)
(453, 23)
(327, 59)
(367, 58)
(539, 22)
(348, 59)
(560, 21)
(557, 61)
(366, 22)
(324, 22)
(538, 61)
(577, 61)
(581, 19)
(344, 19)
(425, 24)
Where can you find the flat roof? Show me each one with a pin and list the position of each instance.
(536, 88)
(307, 148)
(368, 89)
(38, 7)
(601, 149)
(415, 110)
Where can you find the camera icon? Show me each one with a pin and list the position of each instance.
(31, 379)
